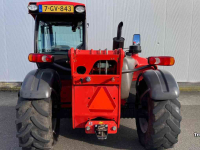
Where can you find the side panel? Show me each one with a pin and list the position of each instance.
(162, 84)
(39, 84)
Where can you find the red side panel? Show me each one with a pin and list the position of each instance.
(140, 62)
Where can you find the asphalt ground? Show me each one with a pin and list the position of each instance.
(126, 138)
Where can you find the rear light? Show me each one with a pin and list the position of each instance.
(161, 60)
(40, 58)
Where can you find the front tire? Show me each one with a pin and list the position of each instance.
(158, 122)
(35, 128)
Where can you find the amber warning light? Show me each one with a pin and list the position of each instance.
(40, 58)
(161, 60)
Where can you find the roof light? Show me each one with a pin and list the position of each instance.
(80, 9)
(40, 58)
(32, 7)
(161, 60)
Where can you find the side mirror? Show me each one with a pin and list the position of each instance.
(136, 39)
(88, 25)
(135, 48)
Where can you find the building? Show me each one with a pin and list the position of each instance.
(167, 27)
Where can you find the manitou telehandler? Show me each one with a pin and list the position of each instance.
(95, 88)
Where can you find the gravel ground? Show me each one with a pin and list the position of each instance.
(126, 138)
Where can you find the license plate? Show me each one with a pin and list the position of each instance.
(56, 8)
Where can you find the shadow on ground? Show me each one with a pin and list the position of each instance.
(8, 140)
(126, 138)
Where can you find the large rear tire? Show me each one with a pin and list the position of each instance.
(36, 127)
(158, 122)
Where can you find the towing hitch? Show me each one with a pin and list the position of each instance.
(101, 131)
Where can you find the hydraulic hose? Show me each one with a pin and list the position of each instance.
(61, 67)
(137, 69)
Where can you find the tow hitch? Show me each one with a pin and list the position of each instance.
(101, 131)
(101, 128)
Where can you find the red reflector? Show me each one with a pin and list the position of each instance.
(102, 100)
(161, 60)
(40, 58)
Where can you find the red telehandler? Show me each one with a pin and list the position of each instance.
(95, 88)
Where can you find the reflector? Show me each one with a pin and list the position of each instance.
(101, 100)
(161, 60)
(40, 58)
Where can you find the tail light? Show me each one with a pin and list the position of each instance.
(40, 58)
(161, 60)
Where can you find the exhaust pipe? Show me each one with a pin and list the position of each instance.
(118, 42)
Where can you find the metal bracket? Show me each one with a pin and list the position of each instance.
(101, 131)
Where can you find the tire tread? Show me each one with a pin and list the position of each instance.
(33, 124)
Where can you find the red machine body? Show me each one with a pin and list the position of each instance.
(95, 88)
(99, 97)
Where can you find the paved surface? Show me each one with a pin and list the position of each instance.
(125, 139)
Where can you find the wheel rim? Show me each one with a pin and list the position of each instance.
(143, 124)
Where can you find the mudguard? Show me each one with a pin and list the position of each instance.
(162, 84)
(39, 83)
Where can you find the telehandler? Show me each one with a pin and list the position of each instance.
(95, 88)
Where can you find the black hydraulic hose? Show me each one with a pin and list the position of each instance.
(126, 71)
(119, 30)
(61, 67)
(137, 69)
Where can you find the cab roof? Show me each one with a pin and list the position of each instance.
(57, 3)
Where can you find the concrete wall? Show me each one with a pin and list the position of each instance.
(167, 27)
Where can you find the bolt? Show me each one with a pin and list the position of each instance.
(114, 128)
(112, 79)
(87, 128)
(88, 79)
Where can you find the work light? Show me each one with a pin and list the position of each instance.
(80, 9)
(32, 7)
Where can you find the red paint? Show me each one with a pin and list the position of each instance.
(123, 102)
(140, 61)
(83, 92)
(59, 3)
(66, 93)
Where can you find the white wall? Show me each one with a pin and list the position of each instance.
(167, 27)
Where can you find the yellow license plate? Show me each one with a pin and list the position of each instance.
(57, 8)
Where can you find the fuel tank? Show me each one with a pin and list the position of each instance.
(128, 64)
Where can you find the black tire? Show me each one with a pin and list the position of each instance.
(34, 124)
(158, 122)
